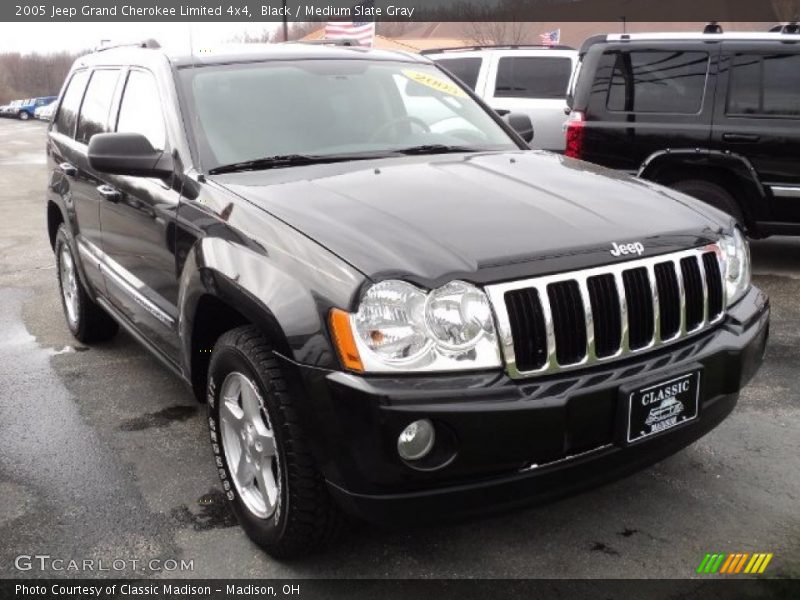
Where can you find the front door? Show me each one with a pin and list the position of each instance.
(138, 225)
(758, 117)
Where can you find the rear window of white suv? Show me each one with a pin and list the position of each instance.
(466, 69)
(532, 77)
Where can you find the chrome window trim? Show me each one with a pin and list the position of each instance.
(496, 293)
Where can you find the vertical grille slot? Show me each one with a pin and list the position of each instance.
(604, 298)
(526, 317)
(641, 321)
(569, 321)
(669, 299)
(713, 284)
(693, 290)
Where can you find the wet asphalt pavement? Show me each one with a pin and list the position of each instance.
(104, 454)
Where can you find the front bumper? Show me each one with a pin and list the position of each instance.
(503, 442)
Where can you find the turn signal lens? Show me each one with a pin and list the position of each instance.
(344, 341)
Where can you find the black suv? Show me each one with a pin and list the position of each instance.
(392, 306)
(714, 115)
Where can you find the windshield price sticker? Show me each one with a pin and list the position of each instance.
(437, 84)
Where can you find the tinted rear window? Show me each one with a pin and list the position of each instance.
(68, 112)
(532, 77)
(657, 81)
(765, 85)
(466, 69)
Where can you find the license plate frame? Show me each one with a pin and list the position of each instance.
(655, 408)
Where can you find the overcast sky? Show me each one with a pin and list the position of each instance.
(55, 37)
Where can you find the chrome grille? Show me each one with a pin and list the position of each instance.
(562, 322)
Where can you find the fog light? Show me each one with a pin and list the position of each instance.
(416, 440)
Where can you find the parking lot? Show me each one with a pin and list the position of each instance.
(105, 454)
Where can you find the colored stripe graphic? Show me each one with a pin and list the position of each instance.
(734, 563)
(711, 563)
(703, 563)
(727, 564)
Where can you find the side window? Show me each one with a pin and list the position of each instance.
(658, 82)
(466, 69)
(97, 104)
(140, 110)
(68, 111)
(765, 85)
(532, 77)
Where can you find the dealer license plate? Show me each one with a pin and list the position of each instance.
(662, 406)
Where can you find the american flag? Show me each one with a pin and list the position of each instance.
(551, 38)
(361, 31)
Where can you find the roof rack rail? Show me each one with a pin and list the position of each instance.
(497, 47)
(340, 42)
(790, 27)
(148, 43)
(713, 27)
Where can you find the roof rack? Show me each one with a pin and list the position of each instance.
(496, 47)
(148, 43)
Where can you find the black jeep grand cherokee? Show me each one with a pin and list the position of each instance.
(392, 306)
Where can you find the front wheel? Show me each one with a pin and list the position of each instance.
(262, 456)
(24, 116)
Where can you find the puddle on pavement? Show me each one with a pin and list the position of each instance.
(46, 443)
(212, 513)
(162, 418)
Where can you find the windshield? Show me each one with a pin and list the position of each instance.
(316, 108)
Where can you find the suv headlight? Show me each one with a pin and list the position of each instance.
(400, 327)
(736, 258)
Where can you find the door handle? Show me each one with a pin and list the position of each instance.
(740, 137)
(68, 169)
(109, 193)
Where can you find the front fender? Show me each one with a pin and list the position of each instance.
(290, 305)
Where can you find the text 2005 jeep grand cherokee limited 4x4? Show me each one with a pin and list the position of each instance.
(392, 306)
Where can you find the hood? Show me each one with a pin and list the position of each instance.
(481, 217)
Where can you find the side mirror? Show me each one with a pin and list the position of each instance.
(521, 123)
(128, 154)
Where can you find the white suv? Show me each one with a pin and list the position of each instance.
(526, 79)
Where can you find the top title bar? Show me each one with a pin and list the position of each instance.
(402, 10)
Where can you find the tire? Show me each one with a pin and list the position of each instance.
(24, 116)
(85, 319)
(249, 405)
(713, 194)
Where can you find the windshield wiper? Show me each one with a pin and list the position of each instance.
(435, 149)
(285, 160)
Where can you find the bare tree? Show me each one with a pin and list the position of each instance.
(392, 28)
(265, 36)
(300, 29)
(487, 33)
(787, 10)
(32, 75)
